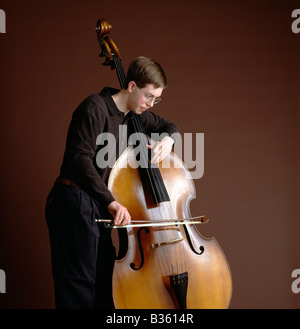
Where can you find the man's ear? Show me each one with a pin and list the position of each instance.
(131, 86)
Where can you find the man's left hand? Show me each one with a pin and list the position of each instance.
(161, 149)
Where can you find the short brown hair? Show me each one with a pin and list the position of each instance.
(143, 71)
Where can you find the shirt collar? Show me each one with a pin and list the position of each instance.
(106, 93)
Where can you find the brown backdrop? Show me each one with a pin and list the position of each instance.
(233, 74)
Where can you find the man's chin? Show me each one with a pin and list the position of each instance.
(139, 110)
(142, 109)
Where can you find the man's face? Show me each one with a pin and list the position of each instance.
(143, 98)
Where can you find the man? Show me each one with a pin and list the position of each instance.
(82, 251)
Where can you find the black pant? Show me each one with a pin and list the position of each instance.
(82, 252)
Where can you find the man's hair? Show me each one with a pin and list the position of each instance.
(143, 71)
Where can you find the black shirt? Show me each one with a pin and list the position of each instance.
(97, 114)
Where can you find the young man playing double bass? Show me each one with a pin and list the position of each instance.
(82, 251)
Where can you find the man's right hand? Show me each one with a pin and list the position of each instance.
(120, 213)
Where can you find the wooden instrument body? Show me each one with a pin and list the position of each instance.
(161, 252)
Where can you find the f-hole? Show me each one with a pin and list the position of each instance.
(140, 248)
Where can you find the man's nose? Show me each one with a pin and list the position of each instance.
(150, 103)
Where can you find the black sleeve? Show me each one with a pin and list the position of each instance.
(87, 123)
(153, 123)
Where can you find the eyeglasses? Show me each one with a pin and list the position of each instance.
(150, 99)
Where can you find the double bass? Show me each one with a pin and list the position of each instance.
(163, 261)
